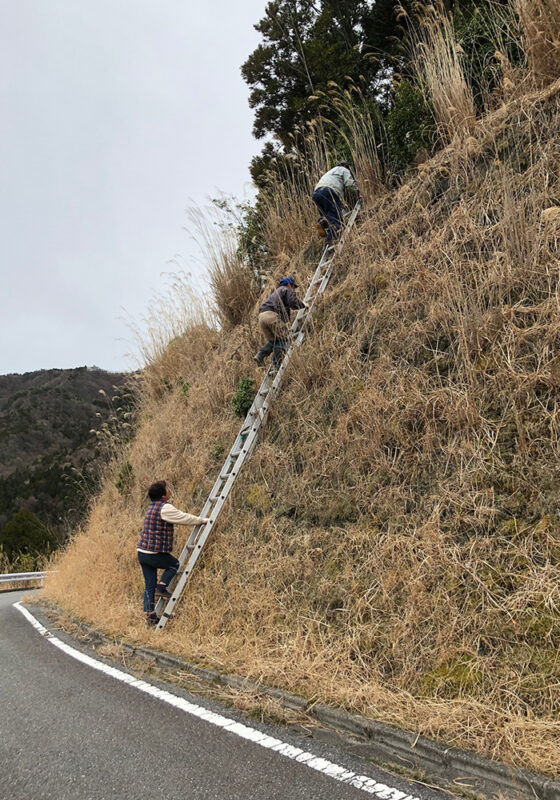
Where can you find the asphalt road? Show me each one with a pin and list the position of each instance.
(69, 732)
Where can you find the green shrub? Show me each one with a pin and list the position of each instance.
(125, 478)
(217, 451)
(243, 397)
(410, 127)
(184, 386)
(25, 535)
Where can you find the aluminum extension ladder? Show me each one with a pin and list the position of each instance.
(248, 434)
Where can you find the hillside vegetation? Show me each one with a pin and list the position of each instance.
(393, 545)
(46, 445)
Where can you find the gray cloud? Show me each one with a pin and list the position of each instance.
(114, 114)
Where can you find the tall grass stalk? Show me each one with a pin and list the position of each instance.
(540, 25)
(437, 60)
(233, 286)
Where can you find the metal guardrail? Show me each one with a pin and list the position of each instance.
(22, 577)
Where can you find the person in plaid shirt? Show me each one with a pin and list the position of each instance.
(156, 543)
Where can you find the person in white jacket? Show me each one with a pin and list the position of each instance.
(156, 543)
(333, 189)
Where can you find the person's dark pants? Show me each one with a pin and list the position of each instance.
(330, 206)
(150, 563)
(276, 346)
(266, 350)
(279, 349)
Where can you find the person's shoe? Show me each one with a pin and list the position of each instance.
(161, 591)
(259, 359)
(152, 619)
(321, 229)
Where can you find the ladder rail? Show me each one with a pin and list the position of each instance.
(237, 455)
(215, 501)
(247, 437)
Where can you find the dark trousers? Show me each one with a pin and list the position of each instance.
(276, 346)
(150, 563)
(330, 206)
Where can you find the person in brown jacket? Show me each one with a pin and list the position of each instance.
(274, 316)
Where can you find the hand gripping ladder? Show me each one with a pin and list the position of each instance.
(254, 421)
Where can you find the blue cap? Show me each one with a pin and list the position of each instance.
(288, 282)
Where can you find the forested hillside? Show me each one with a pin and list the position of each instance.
(47, 450)
(393, 544)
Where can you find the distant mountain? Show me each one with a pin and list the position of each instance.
(46, 447)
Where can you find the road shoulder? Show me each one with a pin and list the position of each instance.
(400, 752)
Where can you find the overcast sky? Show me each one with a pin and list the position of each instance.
(115, 115)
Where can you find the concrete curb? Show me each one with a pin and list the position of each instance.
(448, 767)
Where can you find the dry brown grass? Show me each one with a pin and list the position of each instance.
(234, 289)
(23, 562)
(540, 25)
(393, 546)
(19, 585)
(357, 130)
(440, 72)
(175, 311)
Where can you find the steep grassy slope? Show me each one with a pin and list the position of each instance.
(393, 546)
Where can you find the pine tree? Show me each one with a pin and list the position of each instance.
(305, 46)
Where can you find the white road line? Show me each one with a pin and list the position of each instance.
(368, 785)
